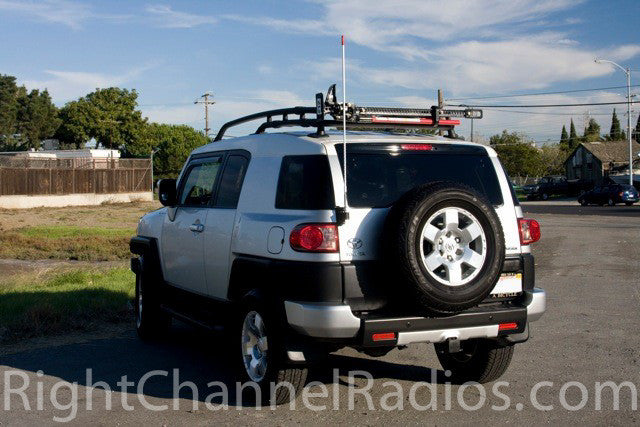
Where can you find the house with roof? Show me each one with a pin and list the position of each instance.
(595, 161)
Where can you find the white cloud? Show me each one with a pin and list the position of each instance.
(164, 16)
(307, 26)
(486, 66)
(69, 13)
(67, 85)
(225, 109)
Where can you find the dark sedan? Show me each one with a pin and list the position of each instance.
(610, 195)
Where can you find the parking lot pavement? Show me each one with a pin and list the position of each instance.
(572, 207)
(588, 263)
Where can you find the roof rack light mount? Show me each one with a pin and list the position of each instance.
(357, 117)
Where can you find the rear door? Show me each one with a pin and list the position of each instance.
(182, 236)
(379, 174)
(220, 224)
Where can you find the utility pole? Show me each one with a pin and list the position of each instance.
(204, 99)
(440, 105)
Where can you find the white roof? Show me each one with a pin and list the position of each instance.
(270, 144)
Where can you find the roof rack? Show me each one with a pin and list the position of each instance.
(357, 117)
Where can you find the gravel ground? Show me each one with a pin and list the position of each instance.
(588, 263)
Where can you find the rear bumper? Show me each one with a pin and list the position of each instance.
(338, 321)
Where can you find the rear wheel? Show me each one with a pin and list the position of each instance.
(479, 360)
(583, 202)
(261, 356)
(544, 196)
(610, 202)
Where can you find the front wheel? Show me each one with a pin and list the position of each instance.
(610, 202)
(261, 356)
(544, 196)
(583, 202)
(151, 321)
(479, 360)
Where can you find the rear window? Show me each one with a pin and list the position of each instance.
(305, 183)
(378, 176)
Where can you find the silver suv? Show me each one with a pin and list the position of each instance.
(258, 234)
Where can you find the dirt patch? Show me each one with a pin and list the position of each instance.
(114, 215)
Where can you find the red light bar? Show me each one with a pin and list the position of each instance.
(387, 336)
(508, 326)
(417, 147)
(413, 120)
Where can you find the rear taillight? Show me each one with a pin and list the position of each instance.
(529, 230)
(314, 238)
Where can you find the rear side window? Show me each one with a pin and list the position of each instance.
(305, 183)
(378, 179)
(231, 182)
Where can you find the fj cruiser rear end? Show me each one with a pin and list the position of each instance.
(258, 234)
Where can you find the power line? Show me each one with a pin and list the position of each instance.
(538, 93)
(585, 104)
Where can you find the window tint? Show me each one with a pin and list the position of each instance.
(305, 183)
(199, 183)
(378, 179)
(231, 182)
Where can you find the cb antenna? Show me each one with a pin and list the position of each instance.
(343, 214)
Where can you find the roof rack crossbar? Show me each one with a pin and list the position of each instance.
(300, 111)
(358, 117)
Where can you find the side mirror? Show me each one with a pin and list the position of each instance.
(167, 192)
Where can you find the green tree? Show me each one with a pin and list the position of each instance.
(517, 153)
(564, 139)
(574, 140)
(9, 93)
(108, 115)
(636, 133)
(616, 133)
(77, 124)
(592, 132)
(37, 118)
(552, 157)
(174, 143)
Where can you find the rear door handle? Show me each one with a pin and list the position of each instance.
(197, 227)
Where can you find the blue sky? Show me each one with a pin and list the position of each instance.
(256, 55)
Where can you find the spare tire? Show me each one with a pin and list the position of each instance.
(447, 245)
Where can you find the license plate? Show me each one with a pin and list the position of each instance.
(508, 284)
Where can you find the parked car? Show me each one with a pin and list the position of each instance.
(610, 195)
(254, 236)
(556, 185)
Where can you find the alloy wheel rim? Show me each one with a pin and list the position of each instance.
(453, 246)
(254, 346)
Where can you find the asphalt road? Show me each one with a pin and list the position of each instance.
(588, 263)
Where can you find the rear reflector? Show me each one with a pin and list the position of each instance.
(314, 238)
(529, 230)
(508, 326)
(387, 336)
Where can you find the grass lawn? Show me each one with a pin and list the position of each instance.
(72, 242)
(67, 301)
